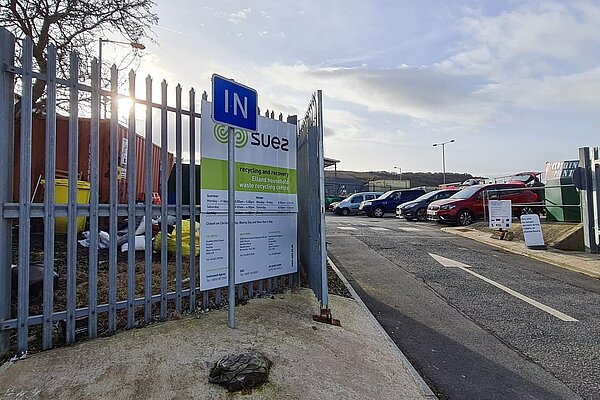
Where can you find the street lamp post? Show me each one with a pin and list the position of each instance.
(399, 172)
(134, 45)
(443, 144)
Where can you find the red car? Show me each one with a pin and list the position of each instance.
(466, 206)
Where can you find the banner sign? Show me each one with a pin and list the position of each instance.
(265, 243)
(500, 214)
(265, 166)
(561, 169)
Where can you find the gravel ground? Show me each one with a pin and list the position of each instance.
(336, 286)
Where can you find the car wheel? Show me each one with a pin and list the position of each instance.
(422, 214)
(378, 212)
(464, 218)
(345, 211)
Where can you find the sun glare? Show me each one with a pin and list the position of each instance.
(124, 105)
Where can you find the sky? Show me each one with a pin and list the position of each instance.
(514, 83)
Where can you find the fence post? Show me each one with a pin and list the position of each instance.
(587, 200)
(7, 119)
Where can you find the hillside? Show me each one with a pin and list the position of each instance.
(416, 178)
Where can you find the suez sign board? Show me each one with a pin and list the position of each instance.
(265, 166)
(500, 214)
(265, 247)
(234, 104)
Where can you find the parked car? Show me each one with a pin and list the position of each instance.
(527, 178)
(332, 206)
(466, 206)
(388, 201)
(329, 200)
(417, 209)
(351, 204)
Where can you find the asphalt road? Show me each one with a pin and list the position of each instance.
(476, 323)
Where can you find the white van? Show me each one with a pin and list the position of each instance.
(351, 203)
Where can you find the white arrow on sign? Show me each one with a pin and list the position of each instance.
(446, 262)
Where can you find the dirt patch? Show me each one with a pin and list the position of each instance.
(215, 299)
(552, 231)
(336, 286)
(334, 283)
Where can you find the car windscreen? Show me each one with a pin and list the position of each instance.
(523, 178)
(466, 192)
(386, 195)
(427, 196)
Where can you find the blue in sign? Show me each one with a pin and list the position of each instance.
(234, 104)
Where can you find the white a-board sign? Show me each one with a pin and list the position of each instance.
(265, 247)
(532, 231)
(500, 214)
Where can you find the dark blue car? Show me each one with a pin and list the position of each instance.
(388, 201)
(417, 209)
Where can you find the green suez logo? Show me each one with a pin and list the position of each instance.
(256, 138)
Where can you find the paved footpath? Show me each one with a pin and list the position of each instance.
(171, 360)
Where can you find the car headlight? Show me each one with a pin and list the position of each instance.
(408, 206)
(448, 207)
(367, 203)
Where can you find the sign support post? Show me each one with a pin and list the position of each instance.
(234, 105)
(231, 225)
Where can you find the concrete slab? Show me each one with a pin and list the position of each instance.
(172, 360)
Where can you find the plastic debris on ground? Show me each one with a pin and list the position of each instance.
(140, 244)
(185, 239)
(241, 371)
(103, 239)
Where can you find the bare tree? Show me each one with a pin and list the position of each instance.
(74, 25)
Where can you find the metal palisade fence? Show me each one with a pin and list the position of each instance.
(88, 293)
(311, 205)
(589, 191)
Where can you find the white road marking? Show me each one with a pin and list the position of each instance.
(411, 229)
(446, 262)
(347, 228)
(377, 228)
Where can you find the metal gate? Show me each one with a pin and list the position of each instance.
(311, 201)
(96, 292)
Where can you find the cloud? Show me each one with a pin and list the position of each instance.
(536, 38)
(238, 16)
(424, 93)
(344, 124)
(536, 57)
(580, 91)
